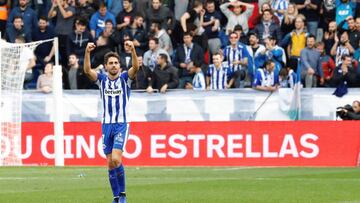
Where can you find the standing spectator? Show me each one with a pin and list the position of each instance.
(137, 32)
(143, 76)
(354, 34)
(126, 58)
(237, 17)
(162, 35)
(28, 15)
(190, 17)
(288, 23)
(164, 76)
(274, 53)
(45, 81)
(17, 29)
(4, 6)
(150, 57)
(344, 73)
(329, 37)
(65, 16)
(98, 19)
(279, 8)
(160, 13)
(198, 82)
(43, 52)
(84, 10)
(186, 55)
(179, 7)
(242, 37)
(114, 6)
(344, 9)
(114, 36)
(310, 61)
(142, 6)
(236, 57)
(74, 76)
(267, 27)
(327, 63)
(218, 75)
(310, 9)
(79, 38)
(125, 17)
(341, 48)
(254, 50)
(265, 78)
(211, 24)
(102, 47)
(327, 11)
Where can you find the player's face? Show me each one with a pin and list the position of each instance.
(113, 66)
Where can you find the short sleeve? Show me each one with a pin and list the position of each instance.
(101, 77)
(208, 72)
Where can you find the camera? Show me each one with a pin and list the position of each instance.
(342, 114)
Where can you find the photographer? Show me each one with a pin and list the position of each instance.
(349, 112)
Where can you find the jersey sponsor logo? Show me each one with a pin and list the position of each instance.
(112, 93)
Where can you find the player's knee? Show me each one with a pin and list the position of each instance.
(110, 164)
(116, 161)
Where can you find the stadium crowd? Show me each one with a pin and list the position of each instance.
(193, 44)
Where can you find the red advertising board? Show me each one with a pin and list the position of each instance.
(301, 143)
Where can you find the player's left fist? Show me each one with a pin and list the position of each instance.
(130, 44)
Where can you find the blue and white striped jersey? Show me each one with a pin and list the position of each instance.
(237, 54)
(115, 96)
(199, 81)
(265, 79)
(219, 77)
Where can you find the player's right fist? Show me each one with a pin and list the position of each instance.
(90, 47)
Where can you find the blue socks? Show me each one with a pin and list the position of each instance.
(120, 174)
(113, 179)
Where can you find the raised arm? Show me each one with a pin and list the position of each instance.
(135, 65)
(183, 20)
(90, 73)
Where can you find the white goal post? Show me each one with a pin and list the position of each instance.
(14, 59)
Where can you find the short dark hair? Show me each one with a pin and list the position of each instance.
(74, 54)
(43, 18)
(284, 72)
(109, 55)
(130, 1)
(268, 10)
(218, 53)
(311, 36)
(17, 17)
(81, 21)
(163, 57)
(109, 21)
(253, 34)
(343, 57)
(157, 24)
(210, 2)
(268, 62)
(238, 27)
(187, 34)
(156, 40)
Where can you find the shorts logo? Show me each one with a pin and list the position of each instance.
(104, 146)
(119, 138)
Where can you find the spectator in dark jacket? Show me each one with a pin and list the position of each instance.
(84, 10)
(28, 15)
(160, 13)
(268, 27)
(143, 76)
(74, 76)
(137, 32)
(125, 17)
(351, 112)
(186, 55)
(164, 76)
(17, 29)
(344, 73)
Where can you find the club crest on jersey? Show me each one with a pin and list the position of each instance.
(112, 93)
(119, 138)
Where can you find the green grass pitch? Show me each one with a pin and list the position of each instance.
(203, 184)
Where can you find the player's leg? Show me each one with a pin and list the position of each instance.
(108, 148)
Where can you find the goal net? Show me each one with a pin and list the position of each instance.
(14, 59)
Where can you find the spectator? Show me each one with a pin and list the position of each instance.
(186, 55)
(218, 75)
(327, 63)
(201, 40)
(74, 76)
(150, 57)
(43, 52)
(237, 17)
(329, 36)
(178, 7)
(102, 47)
(310, 9)
(4, 5)
(267, 27)
(279, 8)
(162, 35)
(357, 23)
(142, 6)
(164, 75)
(161, 14)
(287, 78)
(211, 24)
(354, 34)
(357, 58)
(274, 53)
(344, 9)
(198, 82)
(98, 19)
(16, 30)
(311, 68)
(137, 32)
(242, 37)
(143, 76)
(265, 6)
(295, 41)
(191, 16)
(288, 22)
(79, 38)
(84, 10)
(265, 78)
(125, 17)
(254, 49)
(114, 36)
(327, 10)
(114, 6)
(344, 73)
(342, 47)
(45, 81)
(236, 57)
(28, 15)
(65, 16)
(126, 58)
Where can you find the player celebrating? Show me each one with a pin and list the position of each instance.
(115, 95)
